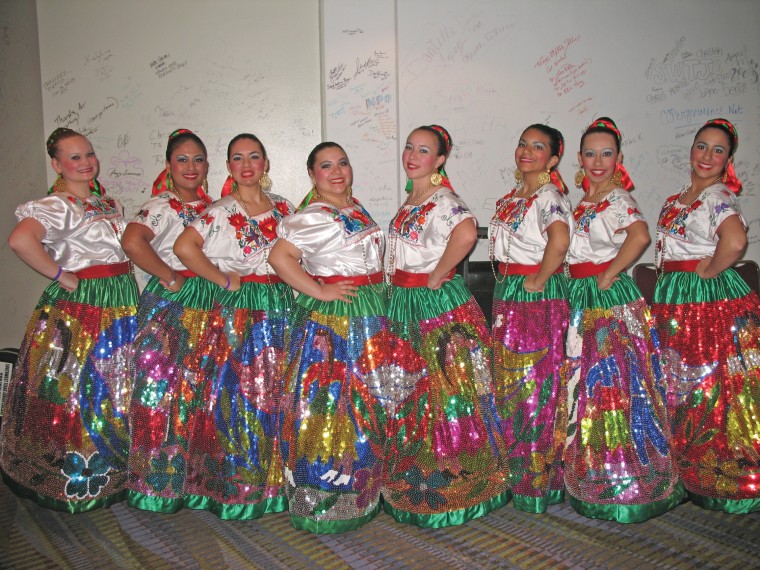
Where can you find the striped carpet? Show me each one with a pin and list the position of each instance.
(122, 537)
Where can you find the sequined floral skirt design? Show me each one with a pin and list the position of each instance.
(528, 353)
(333, 425)
(234, 468)
(167, 366)
(65, 433)
(710, 333)
(445, 446)
(618, 461)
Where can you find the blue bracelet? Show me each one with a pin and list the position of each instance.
(57, 275)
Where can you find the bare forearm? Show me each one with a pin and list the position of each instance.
(139, 250)
(460, 243)
(554, 254)
(732, 240)
(636, 241)
(26, 242)
(189, 250)
(291, 272)
(35, 256)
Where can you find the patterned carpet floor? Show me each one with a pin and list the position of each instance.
(122, 537)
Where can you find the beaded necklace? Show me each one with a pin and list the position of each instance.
(673, 213)
(254, 225)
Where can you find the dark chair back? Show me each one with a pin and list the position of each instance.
(750, 272)
(645, 277)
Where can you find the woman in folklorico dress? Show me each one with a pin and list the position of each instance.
(333, 424)
(172, 314)
(65, 434)
(709, 325)
(445, 443)
(529, 235)
(234, 468)
(618, 463)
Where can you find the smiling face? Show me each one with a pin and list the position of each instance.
(332, 172)
(598, 157)
(533, 154)
(710, 154)
(420, 157)
(188, 166)
(246, 163)
(75, 160)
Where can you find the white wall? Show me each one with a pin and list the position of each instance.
(486, 69)
(23, 164)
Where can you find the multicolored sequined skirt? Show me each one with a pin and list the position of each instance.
(445, 455)
(168, 365)
(333, 425)
(710, 334)
(528, 353)
(65, 434)
(618, 461)
(234, 468)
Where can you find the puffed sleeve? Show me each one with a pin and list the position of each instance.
(720, 204)
(55, 214)
(208, 223)
(152, 216)
(284, 206)
(312, 230)
(626, 209)
(451, 211)
(553, 206)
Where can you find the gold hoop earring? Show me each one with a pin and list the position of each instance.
(204, 186)
(169, 182)
(617, 178)
(518, 177)
(544, 178)
(579, 176)
(349, 192)
(265, 182)
(436, 178)
(59, 185)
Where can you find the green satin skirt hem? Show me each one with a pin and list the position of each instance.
(414, 304)
(370, 301)
(72, 507)
(332, 526)
(257, 296)
(730, 506)
(629, 513)
(145, 502)
(537, 505)
(511, 289)
(687, 287)
(108, 292)
(196, 293)
(584, 293)
(236, 512)
(451, 518)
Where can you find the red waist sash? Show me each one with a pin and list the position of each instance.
(588, 269)
(100, 271)
(403, 278)
(253, 278)
(371, 279)
(690, 265)
(520, 269)
(186, 273)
